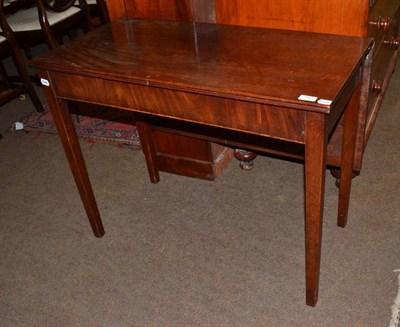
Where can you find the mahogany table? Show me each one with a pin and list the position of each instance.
(287, 85)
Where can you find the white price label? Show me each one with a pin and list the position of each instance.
(324, 101)
(44, 82)
(308, 98)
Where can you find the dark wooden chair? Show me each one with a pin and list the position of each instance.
(8, 47)
(98, 11)
(49, 21)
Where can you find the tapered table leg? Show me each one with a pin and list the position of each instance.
(69, 139)
(315, 162)
(149, 150)
(348, 149)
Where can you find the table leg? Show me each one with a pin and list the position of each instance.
(149, 150)
(69, 139)
(348, 150)
(315, 163)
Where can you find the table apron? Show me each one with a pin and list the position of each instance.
(260, 119)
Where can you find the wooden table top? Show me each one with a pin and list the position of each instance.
(253, 64)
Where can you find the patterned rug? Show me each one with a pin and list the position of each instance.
(116, 131)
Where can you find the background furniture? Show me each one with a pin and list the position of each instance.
(8, 46)
(98, 11)
(43, 21)
(60, 17)
(374, 18)
(176, 152)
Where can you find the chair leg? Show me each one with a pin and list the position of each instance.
(60, 40)
(28, 52)
(26, 79)
(34, 97)
(3, 74)
(72, 34)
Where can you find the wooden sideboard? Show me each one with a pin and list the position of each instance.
(378, 19)
(177, 153)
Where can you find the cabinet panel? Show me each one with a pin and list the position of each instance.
(160, 9)
(116, 9)
(383, 20)
(334, 16)
(385, 58)
(379, 75)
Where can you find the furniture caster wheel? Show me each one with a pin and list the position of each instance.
(246, 158)
(336, 173)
